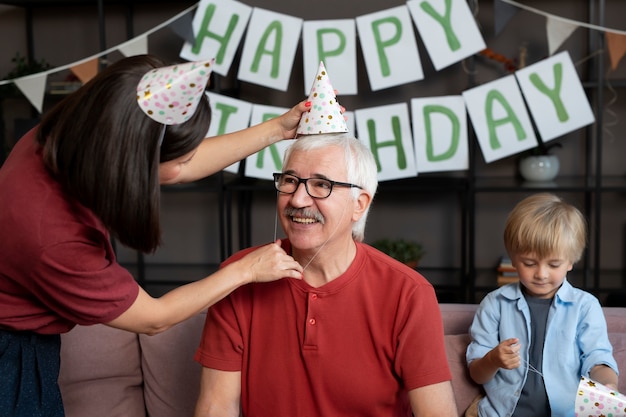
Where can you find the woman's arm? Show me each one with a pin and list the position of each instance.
(218, 152)
(153, 315)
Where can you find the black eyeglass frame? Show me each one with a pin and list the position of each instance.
(278, 175)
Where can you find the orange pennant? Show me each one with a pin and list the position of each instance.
(86, 71)
(616, 44)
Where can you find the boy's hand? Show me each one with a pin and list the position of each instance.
(506, 354)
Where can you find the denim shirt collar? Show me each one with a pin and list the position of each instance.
(565, 294)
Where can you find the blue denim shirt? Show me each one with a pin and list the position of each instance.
(576, 340)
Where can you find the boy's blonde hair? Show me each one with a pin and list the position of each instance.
(545, 225)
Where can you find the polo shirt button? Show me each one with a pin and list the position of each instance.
(313, 296)
(312, 322)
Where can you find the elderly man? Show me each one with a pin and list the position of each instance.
(359, 335)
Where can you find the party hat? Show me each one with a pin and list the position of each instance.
(324, 115)
(595, 399)
(170, 95)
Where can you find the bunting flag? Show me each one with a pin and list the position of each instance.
(235, 11)
(616, 45)
(136, 46)
(85, 71)
(558, 31)
(497, 110)
(183, 27)
(33, 87)
(503, 13)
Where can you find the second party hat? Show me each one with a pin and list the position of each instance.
(170, 95)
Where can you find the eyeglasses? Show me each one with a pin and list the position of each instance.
(315, 187)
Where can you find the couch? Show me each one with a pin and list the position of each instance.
(114, 373)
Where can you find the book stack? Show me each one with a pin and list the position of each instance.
(506, 273)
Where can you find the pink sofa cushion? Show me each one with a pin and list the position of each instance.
(464, 390)
(171, 376)
(100, 373)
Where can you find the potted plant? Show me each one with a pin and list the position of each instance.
(538, 164)
(406, 251)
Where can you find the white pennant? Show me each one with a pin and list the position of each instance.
(33, 87)
(558, 31)
(136, 46)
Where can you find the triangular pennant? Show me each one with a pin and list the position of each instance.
(136, 46)
(503, 13)
(558, 31)
(325, 115)
(33, 87)
(616, 45)
(86, 71)
(183, 27)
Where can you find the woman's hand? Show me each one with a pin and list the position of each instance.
(270, 263)
(288, 122)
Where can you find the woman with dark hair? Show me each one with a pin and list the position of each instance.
(90, 171)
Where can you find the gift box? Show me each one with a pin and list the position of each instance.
(595, 399)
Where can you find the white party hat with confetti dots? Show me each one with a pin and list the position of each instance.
(324, 115)
(170, 95)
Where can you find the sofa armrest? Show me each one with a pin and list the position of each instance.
(100, 373)
(171, 376)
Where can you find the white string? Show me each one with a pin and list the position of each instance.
(323, 244)
(530, 367)
(326, 241)
(276, 218)
(162, 135)
(570, 21)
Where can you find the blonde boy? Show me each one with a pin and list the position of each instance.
(533, 340)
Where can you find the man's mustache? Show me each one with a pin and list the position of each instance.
(305, 213)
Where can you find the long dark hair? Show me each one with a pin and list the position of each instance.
(105, 151)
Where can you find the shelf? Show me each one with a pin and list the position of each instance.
(613, 183)
(460, 204)
(423, 183)
(508, 184)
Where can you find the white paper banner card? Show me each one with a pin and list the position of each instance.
(555, 96)
(389, 48)
(448, 30)
(500, 119)
(440, 133)
(218, 27)
(269, 49)
(334, 43)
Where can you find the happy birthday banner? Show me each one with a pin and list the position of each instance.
(439, 139)
(438, 142)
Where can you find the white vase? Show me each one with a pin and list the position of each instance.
(539, 167)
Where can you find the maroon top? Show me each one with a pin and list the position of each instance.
(57, 265)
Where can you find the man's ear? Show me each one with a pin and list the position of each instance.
(361, 204)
